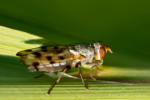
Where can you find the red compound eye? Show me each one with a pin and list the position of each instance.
(102, 52)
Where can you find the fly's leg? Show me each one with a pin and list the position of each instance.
(80, 73)
(50, 74)
(41, 75)
(95, 66)
(57, 81)
(100, 62)
(91, 72)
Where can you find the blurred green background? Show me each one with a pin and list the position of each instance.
(122, 24)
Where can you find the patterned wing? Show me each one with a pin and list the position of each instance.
(46, 58)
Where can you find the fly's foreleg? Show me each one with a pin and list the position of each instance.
(91, 72)
(95, 65)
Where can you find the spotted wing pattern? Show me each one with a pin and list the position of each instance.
(47, 58)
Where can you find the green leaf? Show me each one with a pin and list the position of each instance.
(114, 82)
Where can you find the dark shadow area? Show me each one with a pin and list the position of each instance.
(40, 41)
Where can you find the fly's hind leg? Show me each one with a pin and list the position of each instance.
(57, 81)
(41, 75)
(80, 73)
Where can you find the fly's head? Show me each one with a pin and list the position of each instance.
(100, 50)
